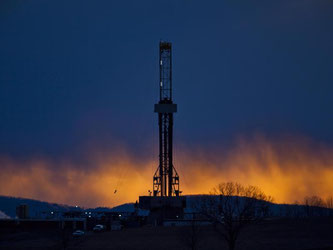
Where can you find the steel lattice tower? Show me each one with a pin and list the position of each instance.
(166, 179)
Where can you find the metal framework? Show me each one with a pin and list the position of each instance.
(166, 179)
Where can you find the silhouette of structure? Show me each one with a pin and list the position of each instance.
(166, 179)
(166, 202)
(22, 211)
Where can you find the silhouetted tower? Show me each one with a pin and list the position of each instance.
(166, 179)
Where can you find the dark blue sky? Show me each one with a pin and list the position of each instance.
(76, 75)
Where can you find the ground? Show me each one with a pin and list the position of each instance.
(302, 234)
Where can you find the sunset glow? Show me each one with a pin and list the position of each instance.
(286, 170)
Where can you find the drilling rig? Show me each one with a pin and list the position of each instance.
(166, 179)
(166, 202)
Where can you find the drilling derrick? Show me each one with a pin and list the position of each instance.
(166, 179)
(166, 202)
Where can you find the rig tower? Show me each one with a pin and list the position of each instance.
(166, 202)
(166, 179)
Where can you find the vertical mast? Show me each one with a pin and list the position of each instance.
(166, 179)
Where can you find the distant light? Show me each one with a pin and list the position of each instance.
(89, 212)
(89, 216)
(161, 62)
(85, 212)
(161, 84)
(119, 215)
(76, 206)
(51, 212)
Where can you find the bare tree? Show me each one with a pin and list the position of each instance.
(314, 201)
(192, 235)
(231, 207)
(329, 205)
(329, 202)
(313, 205)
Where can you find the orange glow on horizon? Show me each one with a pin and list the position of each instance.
(287, 170)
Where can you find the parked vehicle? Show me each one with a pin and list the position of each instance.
(98, 228)
(78, 233)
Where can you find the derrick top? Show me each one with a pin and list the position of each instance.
(165, 45)
(165, 72)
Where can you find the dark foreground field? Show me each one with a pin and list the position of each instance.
(315, 233)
